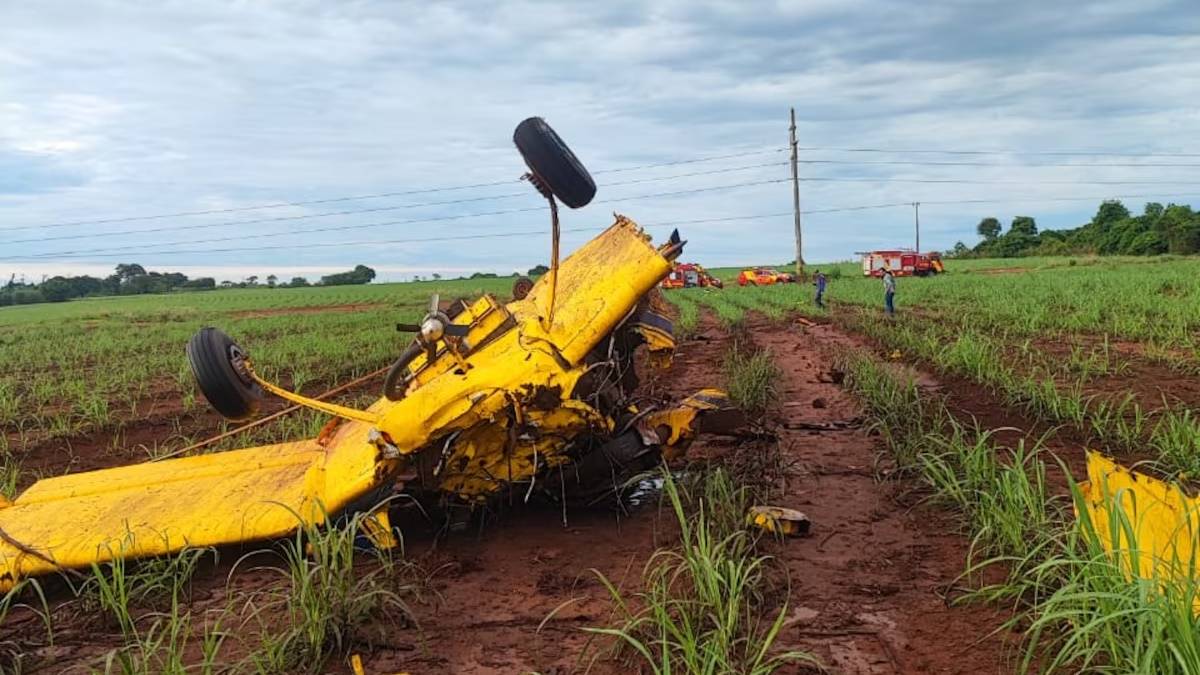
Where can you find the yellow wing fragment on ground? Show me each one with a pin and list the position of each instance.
(1154, 523)
(161, 507)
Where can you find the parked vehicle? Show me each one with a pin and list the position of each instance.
(902, 262)
(764, 276)
(691, 275)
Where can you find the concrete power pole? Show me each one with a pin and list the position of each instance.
(796, 198)
(917, 223)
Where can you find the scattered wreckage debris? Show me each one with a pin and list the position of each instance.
(778, 520)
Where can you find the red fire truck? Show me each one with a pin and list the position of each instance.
(903, 262)
(689, 275)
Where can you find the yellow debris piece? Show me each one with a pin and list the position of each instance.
(778, 520)
(1163, 520)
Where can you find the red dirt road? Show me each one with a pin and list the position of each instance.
(865, 584)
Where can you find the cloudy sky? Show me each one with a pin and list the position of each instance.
(117, 114)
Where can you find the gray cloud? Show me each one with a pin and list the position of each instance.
(117, 109)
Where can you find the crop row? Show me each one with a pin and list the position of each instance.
(1075, 602)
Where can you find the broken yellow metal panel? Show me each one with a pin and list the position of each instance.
(1153, 522)
(597, 286)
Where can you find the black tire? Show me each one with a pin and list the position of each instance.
(212, 355)
(396, 382)
(553, 162)
(521, 288)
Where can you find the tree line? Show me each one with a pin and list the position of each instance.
(1174, 228)
(134, 279)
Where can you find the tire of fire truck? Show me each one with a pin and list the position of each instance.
(553, 162)
(216, 362)
(521, 288)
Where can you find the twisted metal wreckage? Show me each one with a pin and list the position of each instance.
(534, 394)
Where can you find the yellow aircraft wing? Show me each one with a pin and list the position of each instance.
(160, 507)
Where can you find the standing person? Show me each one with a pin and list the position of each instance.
(889, 291)
(819, 282)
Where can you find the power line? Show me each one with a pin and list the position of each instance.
(377, 195)
(1047, 199)
(378, 209)
(910, 162)
(712, 158)
(500, 235)
(486, 235)
(967, 181)
(1048, 153)
(338, 228)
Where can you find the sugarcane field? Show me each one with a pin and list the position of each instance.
(379, 338)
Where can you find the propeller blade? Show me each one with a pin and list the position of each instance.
(408, 327)
(430, 352)
(434, 301)
(456, 330)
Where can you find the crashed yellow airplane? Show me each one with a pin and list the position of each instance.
(533, 394)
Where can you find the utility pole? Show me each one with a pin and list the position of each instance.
(917, 223)
(796, 197)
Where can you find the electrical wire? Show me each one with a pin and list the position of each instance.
(1046, 153)
(377, 195)
(542, 232)
(421, 240)
(910, 162)
(967, 181)
(378, 209)
(136, 248)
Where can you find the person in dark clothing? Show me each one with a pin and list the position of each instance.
(819, 282)
(889, 291)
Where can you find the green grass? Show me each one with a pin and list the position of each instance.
(698, 610)
(751, 377)
(326, 601)
(69, 369)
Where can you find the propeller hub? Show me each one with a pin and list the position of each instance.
(432, 330)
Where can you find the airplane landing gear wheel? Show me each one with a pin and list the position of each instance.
(219, 366)
(554, 166)
(521, 288)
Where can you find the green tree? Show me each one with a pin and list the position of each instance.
(988, 228)
(271, 279)
(298, 282)
(1023, 225)
(201, 284)
(126, 271)
(361, 274)
(56, 289)
(537, 270)
(1182, 228)
(1111, 211)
